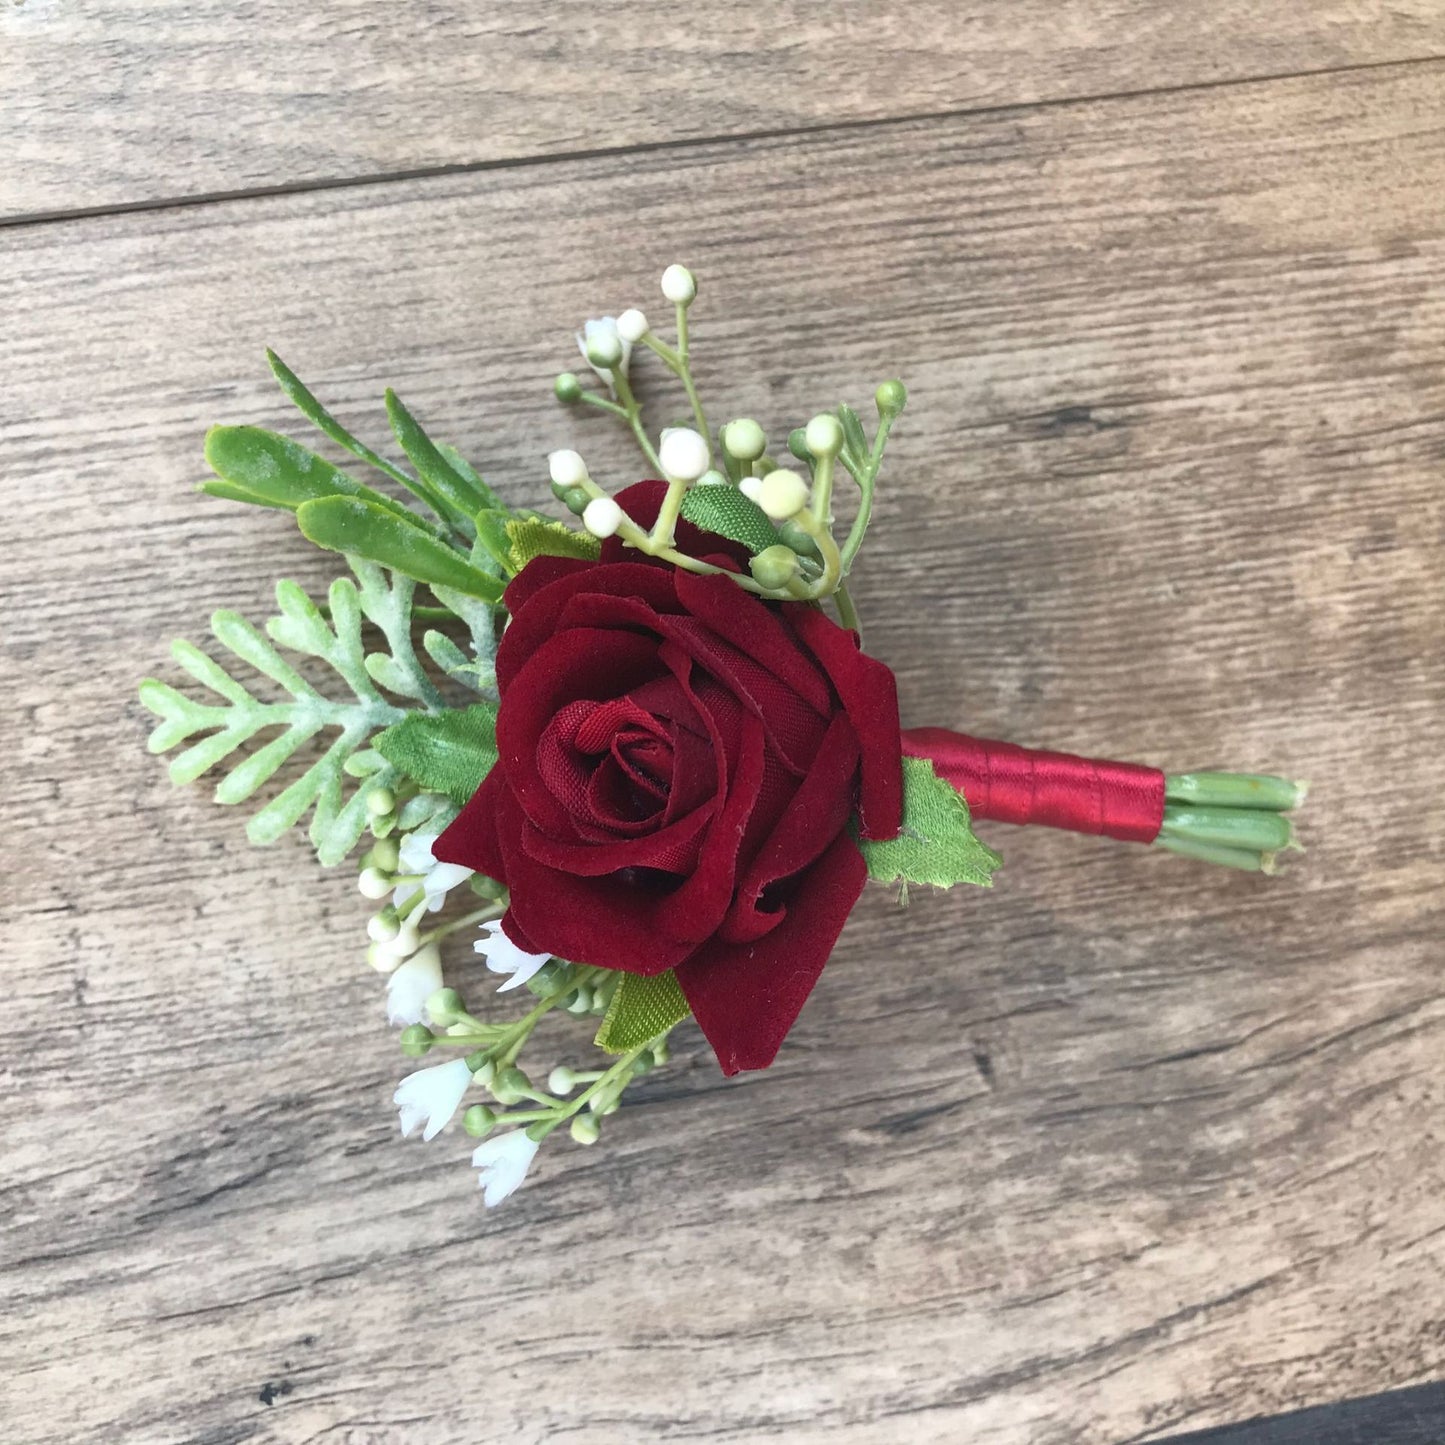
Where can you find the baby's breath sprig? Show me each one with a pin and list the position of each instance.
(807, 563)
(487, 1053)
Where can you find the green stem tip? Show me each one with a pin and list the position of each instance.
(1235, 820)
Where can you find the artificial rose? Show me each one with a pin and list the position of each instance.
(678, 763)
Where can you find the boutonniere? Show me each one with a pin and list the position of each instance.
(631, 752)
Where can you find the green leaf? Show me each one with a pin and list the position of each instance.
(446, 752)
(309, 407)
(227, 492)
(728, 513)
(514, 541)
(462, 499)
(937, 845)
(641, 1009)
(853, 433)
(361, 529)
(270, 470)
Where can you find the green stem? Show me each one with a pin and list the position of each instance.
(1242, 858)
(1254, 829)
(847, 612)
(1235, 790)
(539, 1131)
(677, 363)
(866, 476)
(664, 530)
(603, 403)
(633, 413)
(480, 915)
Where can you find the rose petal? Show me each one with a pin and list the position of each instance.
(747, 995)
(574, 665)
(869, 695)
(538, 609)
(758, 632)
(603, 921)
(817, 814)
(471, 839)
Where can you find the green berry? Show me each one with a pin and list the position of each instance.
(416, 1040)
(891, 398)
(775, 567)
(479, 1120)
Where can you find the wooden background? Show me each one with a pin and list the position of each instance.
(1124, 1148)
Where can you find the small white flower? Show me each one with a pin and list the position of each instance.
(503, 956)
(437, 879)
(684, 453)
(408, 989)
(430, 1096)
(603, 347)
(503, 1162)
(602, 516)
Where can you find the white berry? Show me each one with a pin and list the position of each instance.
(602, 516)
(632, 325)
(684, 454)
(783, 494)
(678, 285)
(567, 468)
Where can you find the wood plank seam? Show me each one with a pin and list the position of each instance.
(692, 142)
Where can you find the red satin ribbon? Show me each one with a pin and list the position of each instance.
(1056, 790)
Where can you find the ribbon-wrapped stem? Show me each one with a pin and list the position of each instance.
(1233, 819)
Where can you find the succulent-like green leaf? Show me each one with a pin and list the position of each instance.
(462, 497)
(271, 470)
(358, 528)
(937, 845)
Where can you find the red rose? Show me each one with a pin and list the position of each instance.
(678, 763)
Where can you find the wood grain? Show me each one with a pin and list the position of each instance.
(117, 102)
(1122, 1148)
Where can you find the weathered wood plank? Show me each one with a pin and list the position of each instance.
(1123, 1148)
(114, 102)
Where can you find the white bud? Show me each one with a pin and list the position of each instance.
(752, 489)
(678, 285)
(632, 325)
(602, 516)
(824, 435)
(382, 927)
(684, 454)
(560, 1080)
(712, 479)
(373, 883)
(783, 494)
(567, 468)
